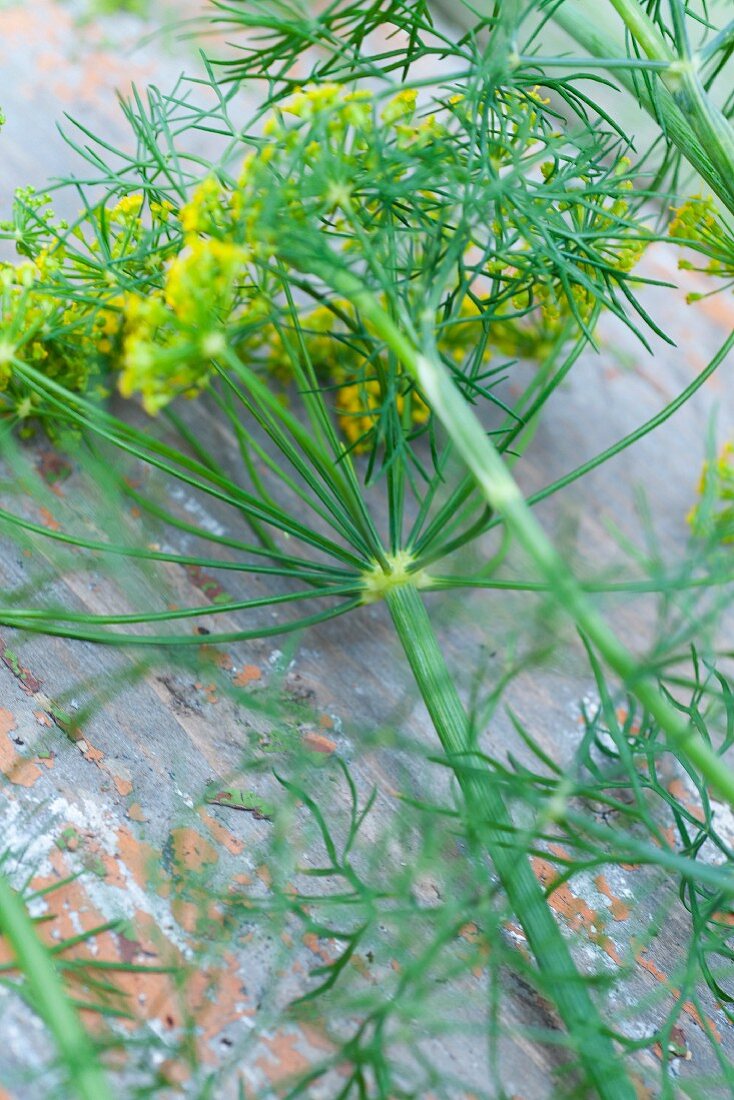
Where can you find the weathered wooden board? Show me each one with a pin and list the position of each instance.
(130, 789)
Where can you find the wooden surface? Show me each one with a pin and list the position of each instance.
(131, 788)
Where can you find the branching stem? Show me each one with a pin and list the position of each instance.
(503, 494)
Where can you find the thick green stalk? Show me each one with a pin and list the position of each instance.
(48, 997)
(489, 817)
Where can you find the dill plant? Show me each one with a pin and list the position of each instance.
(339, 286)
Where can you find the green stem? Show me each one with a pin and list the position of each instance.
(48, 997)
(490, 821)
(643, 30)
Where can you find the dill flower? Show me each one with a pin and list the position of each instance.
(695, 220)
(327, 157)
(171, 337)
(400, 107)
(698, 225)
(712, 516)
(155, 296)
(127, 210)
(64, 303)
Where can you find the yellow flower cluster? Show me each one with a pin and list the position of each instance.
(206, 210)
(360, 390)
(695, 219)
(713, 513)
(41, 332)
(72, 336)
(698, 225)
(331, 135)
(170, 293)
(359, 406)
(172, 336)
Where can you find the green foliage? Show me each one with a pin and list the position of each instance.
(344, 287)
